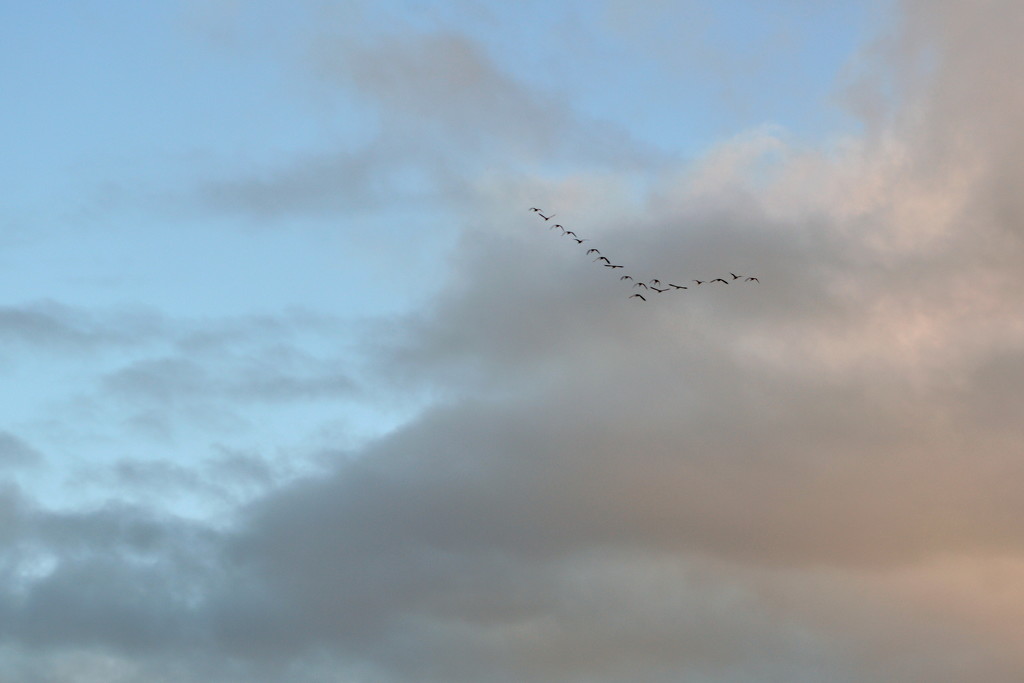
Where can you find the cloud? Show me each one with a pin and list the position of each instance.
(811, 477)
(162, 368)
(440, 107)
(48, 325)
(283, 374)
(15, 452)
(838, 428)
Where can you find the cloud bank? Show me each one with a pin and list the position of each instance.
(815, 478)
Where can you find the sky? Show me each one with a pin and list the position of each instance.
(294, 386)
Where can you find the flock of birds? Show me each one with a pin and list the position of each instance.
(653, 285)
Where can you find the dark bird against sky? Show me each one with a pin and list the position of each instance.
(654, 283)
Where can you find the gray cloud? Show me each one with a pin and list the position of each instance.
(810, 478)
(281, 375)
(162, 369)
(441, 107)
(15, 452)
(49, 325)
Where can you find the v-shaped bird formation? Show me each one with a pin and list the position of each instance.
(652, 285)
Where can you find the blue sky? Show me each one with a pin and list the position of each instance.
(128, 115)
(294, 387)
(132, 121)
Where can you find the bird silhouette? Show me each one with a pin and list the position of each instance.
(652, 284)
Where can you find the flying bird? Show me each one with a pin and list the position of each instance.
(654, 283)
